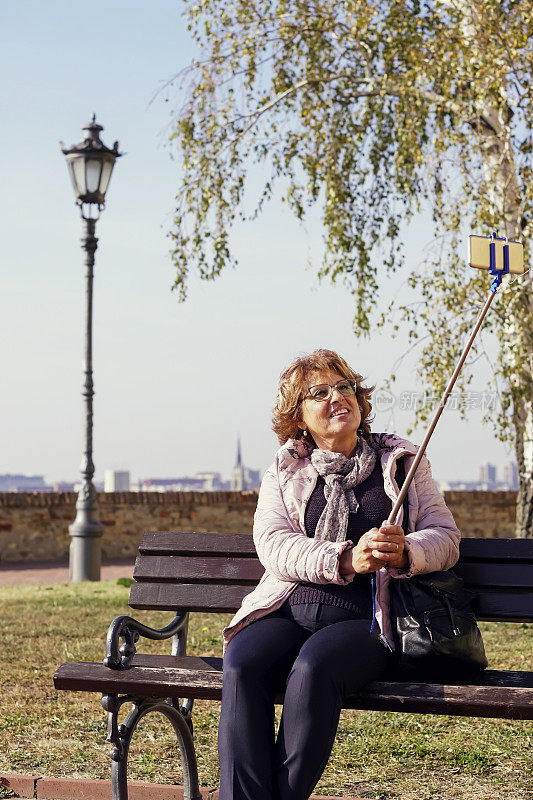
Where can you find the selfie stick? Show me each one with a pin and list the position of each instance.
(512, 251)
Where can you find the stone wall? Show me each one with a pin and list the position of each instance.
(484, 514)
(34, 527)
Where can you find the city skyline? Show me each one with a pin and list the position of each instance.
(488, 478)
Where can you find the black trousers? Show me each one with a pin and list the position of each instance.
(319, 654)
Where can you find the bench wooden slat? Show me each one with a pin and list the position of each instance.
(197, 568)
(497, 549)
(508, 695)
(463, 701)
(220, 569)
(476, 574)
(217, 597)
(189, 596)
(181, 543)
(504, 606)
(193, 542)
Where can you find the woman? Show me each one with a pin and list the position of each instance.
(317, 625)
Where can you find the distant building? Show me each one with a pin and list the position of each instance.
(487, 474)
(461, 486)
(237, 481)
(212, 481)
(253, 478)
(488, 480)
(243, 478)
(185, 484)
(116, 481)
(23, 483)
(510, 476)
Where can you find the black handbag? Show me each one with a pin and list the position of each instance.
(433, 621)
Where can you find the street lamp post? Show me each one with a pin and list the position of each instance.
(90, 166)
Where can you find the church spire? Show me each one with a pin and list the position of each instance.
(238, 477)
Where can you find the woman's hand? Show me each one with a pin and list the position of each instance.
(389, 545)
(376, 548)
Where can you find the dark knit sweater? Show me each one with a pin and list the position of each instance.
(374, 507)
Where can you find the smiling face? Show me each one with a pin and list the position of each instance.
(333, 423)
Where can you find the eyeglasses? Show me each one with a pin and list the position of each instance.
(322, 391)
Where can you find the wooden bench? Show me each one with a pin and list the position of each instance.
(186, 572)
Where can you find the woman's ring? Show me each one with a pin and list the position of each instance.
(397, 546)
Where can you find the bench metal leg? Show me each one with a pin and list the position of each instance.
(120, 736)
(179, 648)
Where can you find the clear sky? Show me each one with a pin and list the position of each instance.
(174, 383)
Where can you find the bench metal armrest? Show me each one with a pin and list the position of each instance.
(129, 630)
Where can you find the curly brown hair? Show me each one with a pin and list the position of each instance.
(293, 386)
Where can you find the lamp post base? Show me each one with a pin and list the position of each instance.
(86, 531)
(85, 558)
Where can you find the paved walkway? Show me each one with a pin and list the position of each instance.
(33, 786)
(16, 572)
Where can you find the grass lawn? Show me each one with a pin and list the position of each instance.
(411, 757)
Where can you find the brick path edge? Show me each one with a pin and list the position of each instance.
(41, 788)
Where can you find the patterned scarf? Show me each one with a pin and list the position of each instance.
(341, 475)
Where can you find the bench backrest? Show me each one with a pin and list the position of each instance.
(214, 571)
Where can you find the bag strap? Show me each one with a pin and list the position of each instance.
(400, 479)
